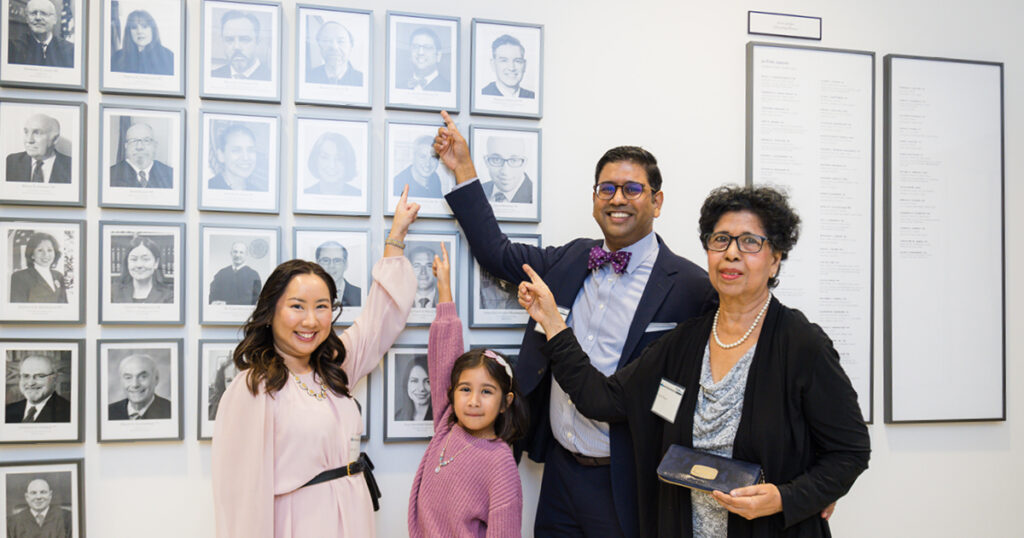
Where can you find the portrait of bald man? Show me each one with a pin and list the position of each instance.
(138, 377)
(506, 161)
(236, 284)
(42, 44)
(333, 257)
(139, 167)
(335, 44)
(37, 384)
(40, 162)
(41, 519)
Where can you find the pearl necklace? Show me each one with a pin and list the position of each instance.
(323, 390)
(714, 326)
(441, 462)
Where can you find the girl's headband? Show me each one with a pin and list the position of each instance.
(497, 358)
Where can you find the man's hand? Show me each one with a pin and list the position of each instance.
(453, 150)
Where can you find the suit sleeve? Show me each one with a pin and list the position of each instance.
(838, 434)
(19, 291)
(493, 249)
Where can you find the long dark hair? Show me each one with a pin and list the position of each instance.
(513, 420)
(256, 350)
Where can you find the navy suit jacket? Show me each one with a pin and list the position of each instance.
(123, 175)
(57, 409)
(160, 408)
(523, 195)
(492, 89)
(19, 168)
(676, 291)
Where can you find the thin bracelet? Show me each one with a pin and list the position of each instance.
(395, 243)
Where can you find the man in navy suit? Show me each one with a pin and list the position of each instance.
(333, 257)
(508, 59)
(616, 309)
(139, 168)
(139, 379)
(40, 162)
(240, 34)
(506, 165)
(37, 381)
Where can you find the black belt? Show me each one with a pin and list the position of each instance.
(361, 465)
(590, 461)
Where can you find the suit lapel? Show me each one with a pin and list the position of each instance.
(659, 285)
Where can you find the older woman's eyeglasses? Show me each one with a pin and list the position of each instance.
(747, 243)
(630, 189)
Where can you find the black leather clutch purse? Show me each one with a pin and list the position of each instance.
(697, 470)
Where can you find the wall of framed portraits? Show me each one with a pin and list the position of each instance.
(219, 140)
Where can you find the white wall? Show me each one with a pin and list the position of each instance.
(667, 75)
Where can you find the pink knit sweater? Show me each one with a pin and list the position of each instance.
(479, 492)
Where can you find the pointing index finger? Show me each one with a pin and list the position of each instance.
(447, 120)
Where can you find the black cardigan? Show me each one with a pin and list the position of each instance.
(801, 421)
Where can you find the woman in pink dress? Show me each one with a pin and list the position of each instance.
(288, 416)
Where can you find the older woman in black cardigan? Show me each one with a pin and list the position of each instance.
(761, 384)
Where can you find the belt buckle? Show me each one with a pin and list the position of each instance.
(348, 469)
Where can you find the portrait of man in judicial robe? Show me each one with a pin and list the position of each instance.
(39, 516)
(236, 284)
(37, 389)
(38, 39)
(139, 168)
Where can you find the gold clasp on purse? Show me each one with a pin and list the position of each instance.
(703, 471)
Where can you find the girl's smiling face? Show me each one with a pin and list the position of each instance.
(477, 401)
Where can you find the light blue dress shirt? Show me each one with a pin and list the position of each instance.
(600, 317)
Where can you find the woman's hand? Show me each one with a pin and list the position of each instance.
(443, 274)
(827, 512)
(405, 214)
(752, 501)
(536, 298)
(453, 150)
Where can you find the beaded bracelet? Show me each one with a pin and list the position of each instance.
(395, 243)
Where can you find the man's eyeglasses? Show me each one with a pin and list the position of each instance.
(497, 160)
(630, 189)
(133, 141)
(747, 243)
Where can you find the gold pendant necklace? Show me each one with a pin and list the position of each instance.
(322, 395)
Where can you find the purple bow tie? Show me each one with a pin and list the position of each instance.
(599, 256)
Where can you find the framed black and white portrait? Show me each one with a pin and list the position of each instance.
(43, 43)
(493, 301)
(423, 62)
(139, 389)
(335, 56)
(234, 264)
(241, 51)
(508, 69)
(51, 491)
(420, 249)
(142, 160)
(143, 47)
(239, 168)
(44, 391)
(508, 162)
(332, 166)
(408, 411)
(216, 371)
(44, 271)
(344, 254)
(411, 161)
(44, 146)
(142, 273)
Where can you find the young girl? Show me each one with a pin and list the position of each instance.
(467, 483)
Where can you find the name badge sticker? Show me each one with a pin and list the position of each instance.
(666, 403)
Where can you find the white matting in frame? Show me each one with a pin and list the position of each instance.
(420, 249)
(508, 75)
(62, 479)
(43, 271)
(143, 47)
(139, 390)
(24, 63)
(332, 166)
(408, 413)
(43, 370)
(142, 272)
(423, 55)
(235, 263)
(335, 54)
(142, 159)
(241, 51)
(411, 161)
(216, 371)
(239, 169)
(494, 302)
(508, 162)
(53, 131)
(344, 254)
